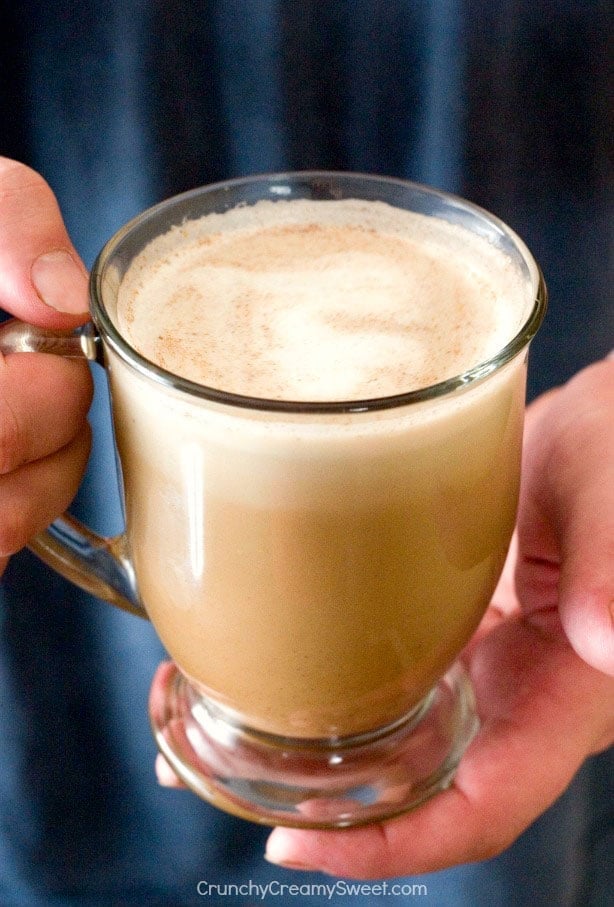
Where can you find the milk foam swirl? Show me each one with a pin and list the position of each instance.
(324, 300)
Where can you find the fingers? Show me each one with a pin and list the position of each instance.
(33, 495)
(42, 280)
(44, 437)
(566, 522)
(44, 442)
(543, 711)
(165, 775)
(43, 405)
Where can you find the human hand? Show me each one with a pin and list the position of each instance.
(542, 662)
(44, 435)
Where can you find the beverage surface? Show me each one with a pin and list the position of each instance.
(320, 300)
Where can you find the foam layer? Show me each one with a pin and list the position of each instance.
(326, 300)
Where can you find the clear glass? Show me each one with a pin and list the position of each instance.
(314, 588)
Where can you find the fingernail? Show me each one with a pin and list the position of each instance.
(60, 282)
(165, 775)
(281, 852)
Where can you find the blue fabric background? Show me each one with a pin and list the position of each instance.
(121, 104)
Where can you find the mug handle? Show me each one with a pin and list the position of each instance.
(100, 565)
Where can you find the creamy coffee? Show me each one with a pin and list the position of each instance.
(308, 300)
(316, 573)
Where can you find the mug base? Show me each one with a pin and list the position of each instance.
(334, 783)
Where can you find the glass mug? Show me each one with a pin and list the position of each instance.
(313, 588)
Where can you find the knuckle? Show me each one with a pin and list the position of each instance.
(26, 200)
(11, 437)
(13, 532)
(491, 844)
(17, 178)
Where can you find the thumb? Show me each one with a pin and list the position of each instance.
(566, 522)
(42, 279)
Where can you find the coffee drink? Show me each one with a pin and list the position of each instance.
(315, 572)
(319, 300)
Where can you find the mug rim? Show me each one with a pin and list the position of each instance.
(278, 181)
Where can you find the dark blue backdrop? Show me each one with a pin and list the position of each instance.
(121, 104)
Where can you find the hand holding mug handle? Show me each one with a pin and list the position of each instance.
(94, 563)
(44, 436)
